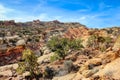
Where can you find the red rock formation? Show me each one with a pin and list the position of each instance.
(76, 32)
(11, 22)
(56, 21)
(11, 55)
(7, 23)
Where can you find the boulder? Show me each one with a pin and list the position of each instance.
(44, 58)
(109, 56)
(38, 53)
(20, 42)
(66, 77)
(45, 50)
(116, 46)
(89, 73)
(111, 69)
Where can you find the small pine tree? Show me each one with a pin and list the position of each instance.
(29, 63)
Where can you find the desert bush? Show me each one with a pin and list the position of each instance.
(92, 41)
(29, 63)
(75, 44)
(105, 43)
(52, 44)
(99, 42)
(61, 46)
(54, 58)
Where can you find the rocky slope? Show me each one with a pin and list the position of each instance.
(99, 59)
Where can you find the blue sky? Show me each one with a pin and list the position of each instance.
(92, 13)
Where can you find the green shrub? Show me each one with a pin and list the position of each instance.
(29, 63)
(75, 44)
(54, 58)
(61, 46)
(92, 41)
(53, 43)
(99, 42)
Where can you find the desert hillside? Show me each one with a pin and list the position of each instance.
(54, 50)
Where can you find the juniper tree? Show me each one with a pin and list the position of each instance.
(61, 46)
(28, 63)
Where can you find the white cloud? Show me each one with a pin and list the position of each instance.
(4, 10)
(83, 18)
(48, 13)
(43, 16)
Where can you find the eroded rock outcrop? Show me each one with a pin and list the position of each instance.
(73, 33)
(102, 65)
(7, 23)
(117, 44)
(11, 55)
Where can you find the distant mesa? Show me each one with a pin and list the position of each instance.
(38, 23)
(7, 23)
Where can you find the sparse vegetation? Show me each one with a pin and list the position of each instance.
(29, 63)
(99, 42)
(54, 58)
(58, 56)
(61, 46)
